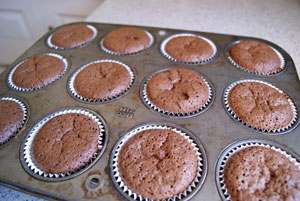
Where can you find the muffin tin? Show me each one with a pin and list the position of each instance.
(214, 127)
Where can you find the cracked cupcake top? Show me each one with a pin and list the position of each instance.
(177, 90)
(127, 40)
(65, 143)
(11, 117)
(260, 105)
(255, 56)
(189, 49)
(102, 80)
(260, 173)
(72, 36)
(38, 71)
(157, 164)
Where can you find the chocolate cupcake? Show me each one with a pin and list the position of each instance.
(257, 169)
(188, 48)
(255, 57)
(158, 162)
(55, 142)
(163, 166)
(261, 173)
(260, 105)
(63, 144)
(72, 36)
(101, 81)
(37, 72)
(13, 115)
(125, 41)
(177, 90)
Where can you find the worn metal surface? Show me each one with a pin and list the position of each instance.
(215, 128)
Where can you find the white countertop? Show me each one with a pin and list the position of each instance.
(277, 21)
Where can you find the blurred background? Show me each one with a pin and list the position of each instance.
(23, 22)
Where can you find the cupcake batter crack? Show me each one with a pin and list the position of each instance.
(177, 90)
(255, 56)
(260, 105)
(55, 143)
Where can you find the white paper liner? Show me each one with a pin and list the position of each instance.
(15, 87)
(210, 42)
(199, 111)
(73, 92)
(28, 156)
(127, 54)
(239, 147)
(25, 110)
(126, 190)
(231, 60)
(51, 45)
(275, 131)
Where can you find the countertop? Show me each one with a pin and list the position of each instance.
(277, 21)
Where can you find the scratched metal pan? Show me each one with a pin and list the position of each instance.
(215, 128)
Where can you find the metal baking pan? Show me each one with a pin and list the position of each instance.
(214, 127)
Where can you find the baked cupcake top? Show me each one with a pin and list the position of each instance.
(255, 56)
(11, 118)
(189, 48)
(65, 143)
(157, 164)
(72, 36)
(102, 80)
(260, 173)
(260, 105)
(177, 90)
(127, 40)
(38, 71)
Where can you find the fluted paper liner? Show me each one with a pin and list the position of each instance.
(51, 45)
(189, 192)
(238, 146)
(126, 54)
(72, 90)
(283, 65)
(15, 87)
(210, 42)
(293, 123)
(28, 158)
(25, 110)
(203, 108)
